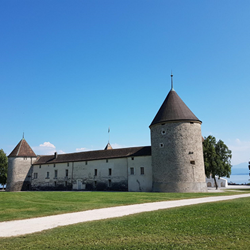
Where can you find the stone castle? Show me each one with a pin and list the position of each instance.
(173, 162)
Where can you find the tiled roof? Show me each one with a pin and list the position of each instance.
(174, 109)
(22, 149)
(94, 155)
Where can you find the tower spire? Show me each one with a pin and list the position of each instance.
(172, 82)
(23, 135)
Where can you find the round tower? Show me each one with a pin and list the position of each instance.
(176, 144)
(19, 167)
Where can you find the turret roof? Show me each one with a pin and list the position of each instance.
(22, 149)
(108, 147)
(174, 109)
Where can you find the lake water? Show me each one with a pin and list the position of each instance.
(239, 178)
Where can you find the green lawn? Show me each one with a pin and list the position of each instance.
(21, 205)
(220, 225)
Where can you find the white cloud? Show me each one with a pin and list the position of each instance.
(81, 149)
(46, 148)
(47, 145)
(240, 151)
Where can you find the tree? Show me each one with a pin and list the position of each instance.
(217, 158)
(3, 167)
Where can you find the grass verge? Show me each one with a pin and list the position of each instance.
(220, 225)
(23, 205)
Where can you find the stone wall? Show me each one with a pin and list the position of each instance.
(177, 157)
(19, 173)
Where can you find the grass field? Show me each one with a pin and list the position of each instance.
(220, 225)
(21, 205)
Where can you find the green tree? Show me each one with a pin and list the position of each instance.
(217, 158)
(3, 167)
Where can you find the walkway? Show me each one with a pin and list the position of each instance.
(28, 226)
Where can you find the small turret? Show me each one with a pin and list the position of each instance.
(19, 167)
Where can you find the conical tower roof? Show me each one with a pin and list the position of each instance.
(174, 109)
(108, 146)
(22, 149)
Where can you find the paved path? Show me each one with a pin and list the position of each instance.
(28, 226)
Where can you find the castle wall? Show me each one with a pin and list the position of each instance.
(140, 180)
(110, 174)
(52, 176)
(19, 173)
(177, 157)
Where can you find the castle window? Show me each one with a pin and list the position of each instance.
(191, 123)
(40, 166)
(54, 165)
(95, 184)
(163, 124)
(86, 163)
(67, 173)
(55, 173)
(142, 170)
(161, 145)
(55, 183)
(132, 171)
(110, 171)
(68, 164)
(66, 184)
(95, 172)
(132, 158)
(163, 132)
(47, 177)
(192, 162)
(191, 153)
(35, 175)
(107, 160)
(109, 183)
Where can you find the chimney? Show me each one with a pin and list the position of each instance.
(55, 155)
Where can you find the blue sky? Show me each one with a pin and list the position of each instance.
(71, 69)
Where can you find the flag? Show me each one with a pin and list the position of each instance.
(108, 129)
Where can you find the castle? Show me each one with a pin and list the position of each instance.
(173, 162)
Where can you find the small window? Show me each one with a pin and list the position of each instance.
(86, 163)
(55, 173)
(132, 158)
(142, 170)
(191, 123)
(35, 175)
(55, 183)
(95, 172)
(191, 153)
(40, 166)
(109, 183)
(107, 160)
(54, 165)
(110, 171)
(163, 131)
(47, 175)
(95, 184)
(66, 184)
(163, 124)
(161, 145)
(68, 164)
(67, 173)
(25, 158)
(192, 162)
(132, 171)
